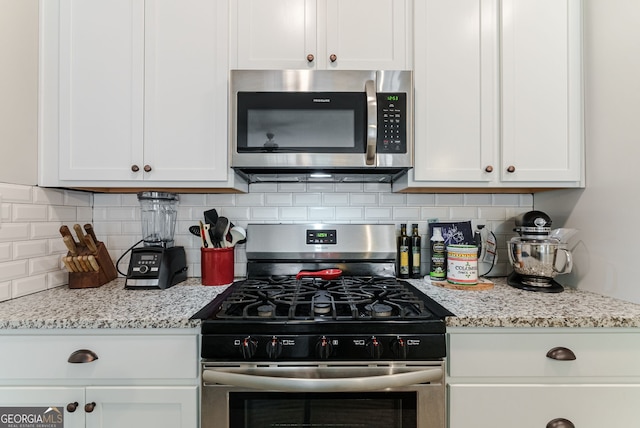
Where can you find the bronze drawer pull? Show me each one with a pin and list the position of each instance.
(82, 356)
(561, 353)
(560, 423)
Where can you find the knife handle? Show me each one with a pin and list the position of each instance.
(77, 264)
(71, 244)
(69, 264)
(79, 233)
(88, 240)
(94, 263)
(89, 229)
(64, 231)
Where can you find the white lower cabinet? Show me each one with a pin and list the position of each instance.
(134, 380)
(537, 405)
(529, 378)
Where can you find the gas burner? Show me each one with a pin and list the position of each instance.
(379, 309)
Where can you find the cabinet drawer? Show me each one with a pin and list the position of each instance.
(119, 357)
(524, 354)
(533, 406)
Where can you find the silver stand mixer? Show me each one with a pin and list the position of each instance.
(159, 263)
(537, 255)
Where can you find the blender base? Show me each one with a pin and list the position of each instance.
(156, 267)
(517, 281)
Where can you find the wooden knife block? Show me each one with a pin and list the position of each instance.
(106, 273)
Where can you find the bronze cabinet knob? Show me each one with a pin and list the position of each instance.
(89, 407)
(511, 168)
(71, 407)
(489, 168)
(333, 57)
(147, 168)
(310, 58)
(135, 168)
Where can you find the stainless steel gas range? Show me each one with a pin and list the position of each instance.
(322, 334)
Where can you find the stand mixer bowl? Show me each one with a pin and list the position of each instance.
(537, 261)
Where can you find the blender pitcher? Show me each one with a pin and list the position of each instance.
(158, 216)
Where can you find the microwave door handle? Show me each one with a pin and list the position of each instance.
(372, 121)
(354, 384)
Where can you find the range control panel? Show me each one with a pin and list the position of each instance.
(322, 237)
(392, 123)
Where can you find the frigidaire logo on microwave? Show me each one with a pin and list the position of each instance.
(321, 100)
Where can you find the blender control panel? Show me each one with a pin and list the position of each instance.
(145, 263)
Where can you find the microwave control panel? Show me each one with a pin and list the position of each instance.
(392, 123)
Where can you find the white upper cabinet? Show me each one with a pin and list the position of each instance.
(321, 34)
(140, 95)
(498, 90)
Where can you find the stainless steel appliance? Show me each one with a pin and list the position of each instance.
(321, 125)
(322, 334)
(536, 257)
(159, 263)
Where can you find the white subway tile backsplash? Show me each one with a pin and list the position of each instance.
(363, 199)
(307, 199)
(506, 199)
(44, 264)
(349, 213)
(31, 247)
(14, 232)
(264, 213)
(63, 213)
(26, 213)
(278, 199)
(378, 214)
(335, 199)
(16, 193)
(463, 213)
(322, 214)
(6, 252)
(28, 249)
(28, 285)
(48, 196)
(14, 269)
(477, 199)
(448, 199)
(293, 213)
(406, 214)
(5, 290)
(421, 199)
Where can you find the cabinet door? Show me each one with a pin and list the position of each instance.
(50, 403)
(135, 407)
(456, 128)
(100, 89)
(274, 34)
(186, 70)
(534, 406)
(365, 35)
(541, 90)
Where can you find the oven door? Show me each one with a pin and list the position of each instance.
(346, 395)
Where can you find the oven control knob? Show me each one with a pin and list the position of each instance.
(274, 348)
(248, 347)
(374, 347)
(399, 348)
(324, 348)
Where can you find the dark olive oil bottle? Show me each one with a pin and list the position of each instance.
(404, 248)
(416, 241)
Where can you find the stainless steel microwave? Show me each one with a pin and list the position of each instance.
(321, 125)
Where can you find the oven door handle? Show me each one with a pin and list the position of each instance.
(372, 121)
(347, 384)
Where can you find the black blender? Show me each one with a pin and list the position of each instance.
(158, 263)
(534, 255)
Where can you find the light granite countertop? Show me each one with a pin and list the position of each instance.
(111, 306)
(506, 306)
